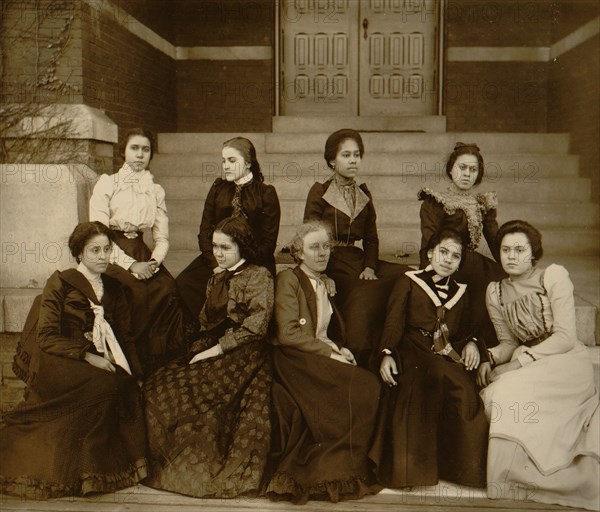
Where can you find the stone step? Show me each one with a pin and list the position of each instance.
(402, 210)
(297, 124)
(524, 168)
(314, 142)
(551, 190)
(406, 238)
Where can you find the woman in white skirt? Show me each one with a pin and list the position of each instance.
(540, 396)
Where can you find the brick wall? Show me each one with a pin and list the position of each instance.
(231, 95)
(573, 99)
(133, 82)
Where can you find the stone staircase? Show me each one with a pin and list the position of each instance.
(534, 175)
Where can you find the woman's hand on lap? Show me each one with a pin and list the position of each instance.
(503, 368)
(207, 354)
(99, 362)
(368, 274)
(470, 356)
(387, 370)
(483, 374)
(348, 355)
(339, 357)
(143, 269)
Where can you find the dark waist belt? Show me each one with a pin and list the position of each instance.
(536, 341)
(128, 234)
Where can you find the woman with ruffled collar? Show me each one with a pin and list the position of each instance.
(361, 278)
(474, 216)
(129, 202)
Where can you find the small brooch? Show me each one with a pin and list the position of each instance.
(303, 321)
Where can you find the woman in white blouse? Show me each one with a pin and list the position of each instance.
(129, 202)
(540, 397)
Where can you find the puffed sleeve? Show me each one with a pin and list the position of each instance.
(503, 351)
(160, 229)
(100, 211)
(564, 333)
(100, 200)
(313, 209)
(50, 336)
(207, 225)
(257, 307)
(269, 226)
(432, 216)
(490, 224)
(395, 315)
(289, 331)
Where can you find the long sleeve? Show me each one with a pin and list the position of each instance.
(490, 228)
(160, 229)
(432, 215)
(121, 324)
(564, 333)
(99, 210)
(294, 329)
(256, 310)
(269, 226)
(507, 342)
(50, 337)
(207, 225)
(315, 205)
(395, 315)
(370, 236)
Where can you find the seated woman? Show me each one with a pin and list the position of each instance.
(473, 216)
(81, 428)
(242, 192)
(324, 404)
(129, 202)
(208, 414)
(348, 209)
(540, 396)
(432, 423)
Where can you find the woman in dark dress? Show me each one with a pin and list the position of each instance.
(362, 280)
(208, 414)
(129, 202)
(472, 215)
(432, 424)
(241, 192)
(81, 427)
(325, 406)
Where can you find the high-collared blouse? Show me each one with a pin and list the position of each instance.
(130, 201)
(538, 306)
(469, 214)
(326, 202)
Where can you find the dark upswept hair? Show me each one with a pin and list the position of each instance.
(445, 233)
(238, 229)
(132, 133)
(82, 234)
(248, 151)
(296, 244)
(465, 149)
(335, 140)
(532, 234)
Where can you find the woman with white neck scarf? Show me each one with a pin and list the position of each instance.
(129, 202)
(81, 427)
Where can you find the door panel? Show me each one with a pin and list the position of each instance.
(319, 57)
(359, 57)
(398, 57)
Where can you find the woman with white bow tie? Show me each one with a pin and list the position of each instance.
(129, 202)
(81, 427)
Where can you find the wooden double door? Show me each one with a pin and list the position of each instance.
(359, 57)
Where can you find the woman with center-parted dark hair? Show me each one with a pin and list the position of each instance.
(241, 192)
(81, 428)
(208, 413)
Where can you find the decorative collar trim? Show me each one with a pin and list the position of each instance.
(333, 195)
(417, 277)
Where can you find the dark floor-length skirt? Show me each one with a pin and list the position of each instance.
(431, 425)
(363, 303)
(325, 412)
(81, 430)
(157, 319)
(209, 424)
